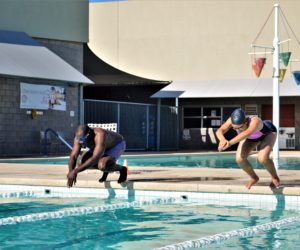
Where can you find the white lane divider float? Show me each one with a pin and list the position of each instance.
(17, 194)
(79, 211)
(218, 238)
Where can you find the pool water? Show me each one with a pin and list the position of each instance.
(142, 227)
(283, 239)
(180, 161)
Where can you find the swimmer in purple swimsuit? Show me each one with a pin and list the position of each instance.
(103, 149)
(251, 132)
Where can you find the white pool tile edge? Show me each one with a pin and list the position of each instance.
(256, 201)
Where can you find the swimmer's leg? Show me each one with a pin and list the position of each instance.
(104, 177)
(123, 174)
(243, 151)
(108, 164)
(102, 165)
(264, 158)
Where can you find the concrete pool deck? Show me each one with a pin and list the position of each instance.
(155, 178)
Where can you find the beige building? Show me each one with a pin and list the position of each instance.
(202, 46)
(188, 40)
(152, 43)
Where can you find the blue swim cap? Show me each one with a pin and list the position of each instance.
(238, 116)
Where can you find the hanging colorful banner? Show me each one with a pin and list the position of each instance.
(34, 96)
(296, 76)
(285, 57)
(281, 74)
(258, 65)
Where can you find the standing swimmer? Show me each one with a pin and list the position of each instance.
(251, 132)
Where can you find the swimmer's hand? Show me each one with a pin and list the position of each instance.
(72, 176)
(223, 145)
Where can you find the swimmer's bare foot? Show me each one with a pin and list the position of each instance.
(251, 182)
(275, 183)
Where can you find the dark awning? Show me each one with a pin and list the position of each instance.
(104, 74)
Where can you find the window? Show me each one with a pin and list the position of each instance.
(205, 117)
(251, 109)
(211, 117)
(192, 117)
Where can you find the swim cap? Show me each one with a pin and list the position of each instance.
(238, 116)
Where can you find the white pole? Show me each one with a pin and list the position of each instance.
(276, 91)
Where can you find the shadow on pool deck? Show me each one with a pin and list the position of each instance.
(187, 179)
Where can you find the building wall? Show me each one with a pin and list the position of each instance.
(61, 26)
(54, 19)
(71, 52)
(19, 133)
(189, 40)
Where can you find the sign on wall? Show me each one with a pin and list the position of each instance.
(34, 96)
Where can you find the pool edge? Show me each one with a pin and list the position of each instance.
(156, 186)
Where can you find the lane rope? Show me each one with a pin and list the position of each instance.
(218, 238)
(17, 194)
(80, 211)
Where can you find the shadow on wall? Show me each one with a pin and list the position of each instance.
(203, 138)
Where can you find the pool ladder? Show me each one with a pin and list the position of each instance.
(57, 135)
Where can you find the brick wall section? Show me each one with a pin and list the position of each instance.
(20, 134)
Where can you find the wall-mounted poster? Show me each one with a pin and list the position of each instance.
(34, 96)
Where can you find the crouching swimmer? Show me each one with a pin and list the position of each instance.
(104, 148)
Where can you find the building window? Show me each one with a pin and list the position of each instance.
(192, 117)
(205, 117)
(211, 117)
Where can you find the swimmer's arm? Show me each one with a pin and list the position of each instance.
(97, 153)
(223, 129)
(223, 142)
(74, 155)
(253, 126)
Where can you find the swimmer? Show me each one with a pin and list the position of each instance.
(251, 132)
(103, 149)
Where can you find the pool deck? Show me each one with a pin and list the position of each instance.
(156, 178)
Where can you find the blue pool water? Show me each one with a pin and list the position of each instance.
(142, 227)
(180, 161)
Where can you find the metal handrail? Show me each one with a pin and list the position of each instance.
(57, 136)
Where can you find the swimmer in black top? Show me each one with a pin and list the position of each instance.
(103, 149)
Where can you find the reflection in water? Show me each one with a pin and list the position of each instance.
(271, 239)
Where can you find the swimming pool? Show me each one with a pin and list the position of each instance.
(175, 160)
(61, 218)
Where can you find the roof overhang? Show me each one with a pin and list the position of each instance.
(227, 88)
(22, 56)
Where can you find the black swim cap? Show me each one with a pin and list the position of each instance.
(238, 116)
